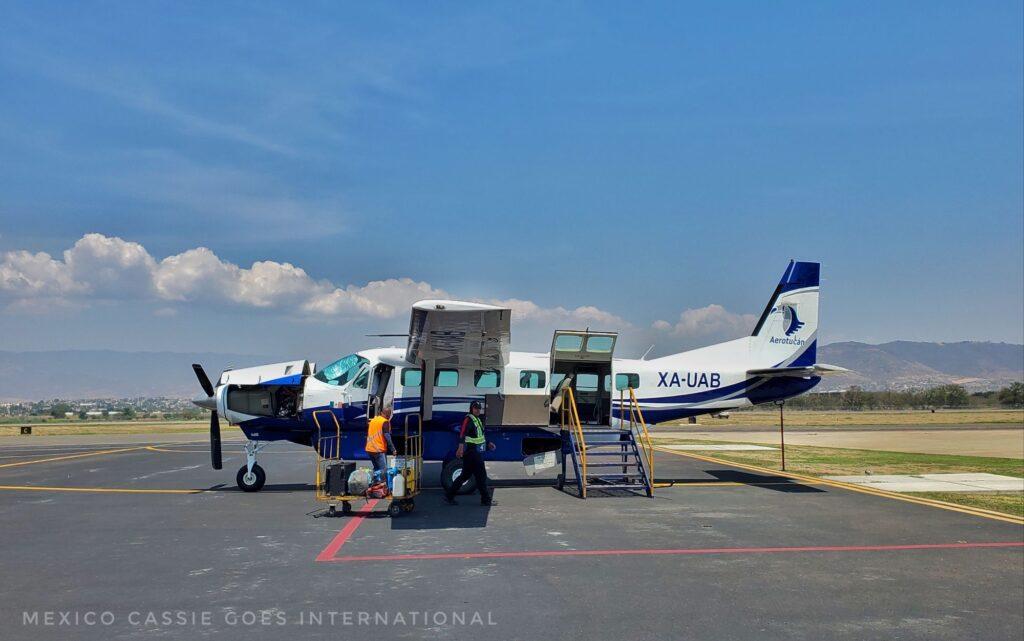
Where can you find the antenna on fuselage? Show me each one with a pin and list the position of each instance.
(647, 352)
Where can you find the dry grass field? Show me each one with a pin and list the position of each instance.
(798, 418)
(107, 427)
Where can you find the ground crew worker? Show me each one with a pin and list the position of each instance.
(378, 443)
(472, 445)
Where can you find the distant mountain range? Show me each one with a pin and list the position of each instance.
(103, 373)
(903, 365)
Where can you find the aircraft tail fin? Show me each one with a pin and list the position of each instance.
(786, 333)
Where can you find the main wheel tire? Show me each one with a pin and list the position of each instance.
(251, 482)
(450, 472)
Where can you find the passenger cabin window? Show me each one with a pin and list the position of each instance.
(625, 381)
(531, 379)
(341, 371)
(412, 377)
(586, 382)
(446, 378)
(486, 378)
(568, 343)
(599, 344)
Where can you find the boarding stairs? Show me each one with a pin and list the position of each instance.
(608, 457)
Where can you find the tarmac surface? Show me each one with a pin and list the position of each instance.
(142, 539)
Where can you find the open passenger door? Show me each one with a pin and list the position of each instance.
(582, 360)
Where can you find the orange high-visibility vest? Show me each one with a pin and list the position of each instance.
(375, 442)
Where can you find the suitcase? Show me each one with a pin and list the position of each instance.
(337, 478)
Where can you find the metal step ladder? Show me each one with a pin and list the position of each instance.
(605, 457)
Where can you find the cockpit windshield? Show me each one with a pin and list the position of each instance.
(342, 370)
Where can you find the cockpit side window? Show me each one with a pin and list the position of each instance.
(343, 370)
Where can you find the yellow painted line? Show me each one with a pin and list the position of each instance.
(153, 448)
(70, 456)
(722, 484)
(953, 507)
(113, 490)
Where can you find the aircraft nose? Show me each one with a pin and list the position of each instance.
(207, 402)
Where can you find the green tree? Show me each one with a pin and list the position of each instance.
(854, 398)
(127, 412)
(59, 410)
(82, 415)
(1012, 396)
(956, 396)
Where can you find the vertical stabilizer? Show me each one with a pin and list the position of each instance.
(787, 332)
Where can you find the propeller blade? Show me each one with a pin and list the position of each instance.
(204, 380)
(215, 456)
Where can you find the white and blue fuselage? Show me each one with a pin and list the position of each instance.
(777, 361)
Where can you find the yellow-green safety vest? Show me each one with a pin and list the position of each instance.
(479, 438)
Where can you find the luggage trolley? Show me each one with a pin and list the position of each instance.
(409, 467)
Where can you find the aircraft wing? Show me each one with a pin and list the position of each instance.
(457, 333)
(819, 369)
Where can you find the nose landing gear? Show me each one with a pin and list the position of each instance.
(251, 476)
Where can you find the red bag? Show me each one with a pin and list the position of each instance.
(377, 490)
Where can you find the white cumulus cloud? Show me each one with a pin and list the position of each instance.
(104, 267)
(713, 321)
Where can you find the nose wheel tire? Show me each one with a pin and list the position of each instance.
(251, 481)
(450, 472)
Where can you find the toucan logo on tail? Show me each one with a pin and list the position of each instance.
(793, 323)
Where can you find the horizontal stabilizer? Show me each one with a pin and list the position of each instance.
(802, 372)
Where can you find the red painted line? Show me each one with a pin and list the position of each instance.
(343, 535)
(327, 554)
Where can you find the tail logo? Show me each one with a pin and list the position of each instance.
(792, 322)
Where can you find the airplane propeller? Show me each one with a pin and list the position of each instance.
(211, 404)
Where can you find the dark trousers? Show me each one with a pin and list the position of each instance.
(472, 467)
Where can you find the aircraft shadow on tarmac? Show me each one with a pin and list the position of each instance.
(432, 514)
(766, 481)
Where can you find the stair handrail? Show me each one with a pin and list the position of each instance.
(636, 417)
(570, 410)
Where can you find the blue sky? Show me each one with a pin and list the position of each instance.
(600, 163)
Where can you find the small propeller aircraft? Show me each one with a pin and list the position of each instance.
(458, 352)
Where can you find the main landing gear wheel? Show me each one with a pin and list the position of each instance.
(250, 481)
(450, 472)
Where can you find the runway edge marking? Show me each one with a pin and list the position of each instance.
(953, 507)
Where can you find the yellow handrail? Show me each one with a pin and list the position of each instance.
(320, 495)
(569, 410)
(634, 409)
